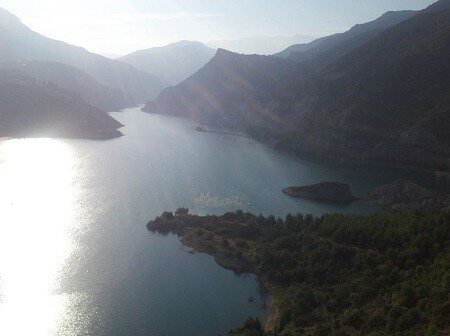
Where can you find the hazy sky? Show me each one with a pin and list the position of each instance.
(122, 26)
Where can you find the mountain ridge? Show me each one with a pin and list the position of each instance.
(20, 43)
(324, 51)
(380, 103)
(232, 75)
(174, 62)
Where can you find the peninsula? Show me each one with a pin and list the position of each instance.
(335, 274)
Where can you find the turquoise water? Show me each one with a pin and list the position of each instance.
(76, 258)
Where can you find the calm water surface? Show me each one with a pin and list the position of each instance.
(76, 258)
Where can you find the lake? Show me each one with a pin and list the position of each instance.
(75, 255)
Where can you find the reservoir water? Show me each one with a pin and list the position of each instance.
(75, 255)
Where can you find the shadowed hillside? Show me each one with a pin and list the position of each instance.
(385, 102)
(326, 50)
(232, 90)
(32, 109)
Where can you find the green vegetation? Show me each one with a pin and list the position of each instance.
(380, 274)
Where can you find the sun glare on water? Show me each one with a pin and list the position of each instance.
(37, 194)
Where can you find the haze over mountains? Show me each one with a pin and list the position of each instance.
(74, 80)
(174, 62)
(33, 109)
(381, 99)
(376, 93)
(19, 43)
(55, 80)
(261, 45)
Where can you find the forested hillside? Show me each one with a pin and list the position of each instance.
(382, 274)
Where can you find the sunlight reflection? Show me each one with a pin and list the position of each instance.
(37, 194)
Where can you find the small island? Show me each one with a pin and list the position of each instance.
(378, 274)
(323, 191)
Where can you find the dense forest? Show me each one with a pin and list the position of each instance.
(379, 274)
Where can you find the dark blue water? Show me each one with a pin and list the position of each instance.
(76, 258)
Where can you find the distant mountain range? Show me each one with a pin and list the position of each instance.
(174, 62)
(260, 45)
(19, 43)
(33, 109)
(378, 93)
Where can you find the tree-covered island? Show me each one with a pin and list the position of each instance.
(378, 274)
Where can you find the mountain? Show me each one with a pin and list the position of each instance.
(260, 45)
(231, 90)
(324, 51)
(19, 43)
(301, 47)
(174, 62)
(438, 6)
(385, 102)
(29, 108)
(72, 79)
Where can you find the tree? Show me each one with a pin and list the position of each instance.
(182, 211)
(167, 215)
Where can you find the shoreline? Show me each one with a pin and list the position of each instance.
(321, 158)
(329, 158)
(245, 263)
(240, 268)
(280, 254)
(205, 129)
(269, 298)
